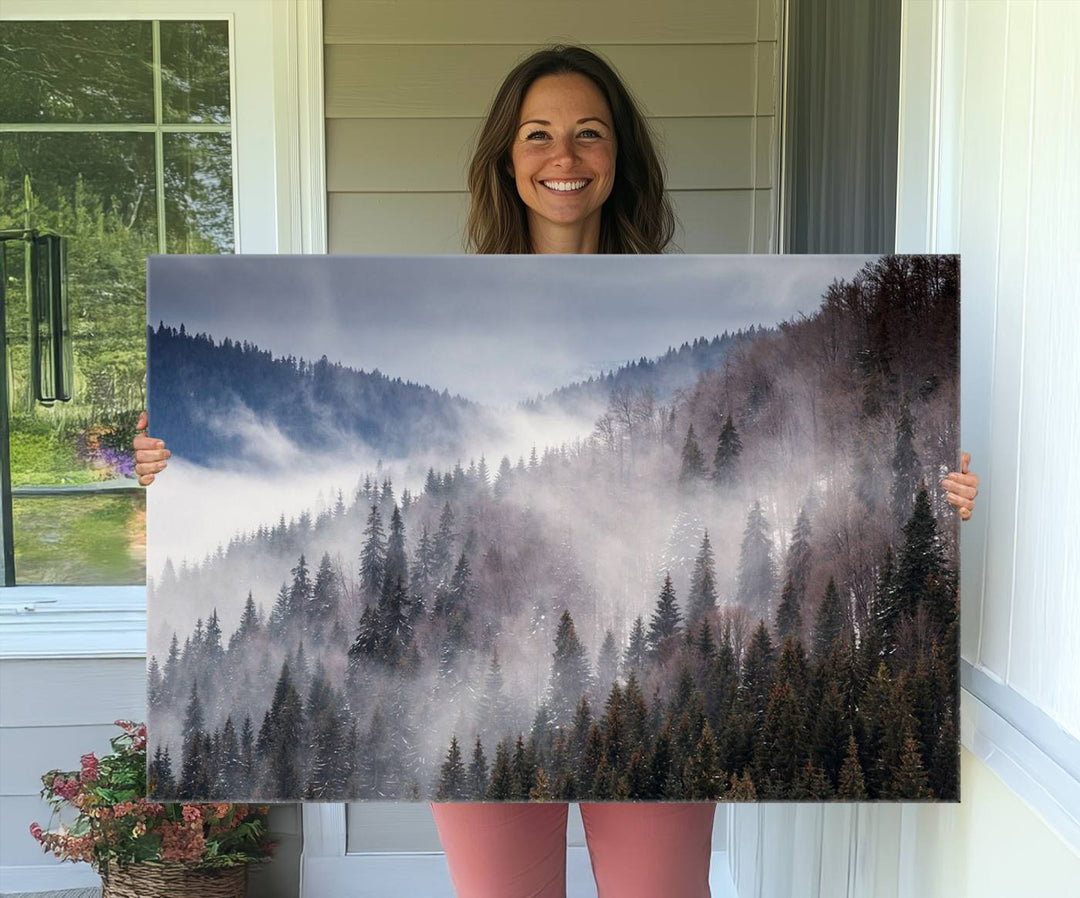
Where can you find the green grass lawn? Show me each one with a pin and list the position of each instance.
(83, 540)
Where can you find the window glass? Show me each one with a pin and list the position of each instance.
(66, 72)
(195, 71)
(198, 193)
(120, 185)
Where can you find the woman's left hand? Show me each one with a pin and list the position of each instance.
(961, 488)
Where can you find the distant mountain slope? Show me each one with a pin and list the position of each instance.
(674, 370)
(314, 404)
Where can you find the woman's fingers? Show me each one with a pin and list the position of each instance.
(959, 501)
(966, 485)
(153, 467)
(144, 456)
(965, 514)
(146, 479)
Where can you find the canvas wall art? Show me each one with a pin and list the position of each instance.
(536, 528)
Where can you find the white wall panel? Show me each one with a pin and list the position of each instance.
(1045, 635)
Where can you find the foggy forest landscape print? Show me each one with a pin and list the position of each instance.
(532, 529)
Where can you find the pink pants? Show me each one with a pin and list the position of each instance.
(507, 850)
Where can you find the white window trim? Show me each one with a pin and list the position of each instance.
(280, 207)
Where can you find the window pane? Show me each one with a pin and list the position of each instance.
(76, 72)
(198, 193)
(98, 191)
(84, 540)
(195, 71)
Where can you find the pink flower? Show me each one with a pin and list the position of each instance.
(65, 788)
(191, 813)
(36, 831)
(89, 767)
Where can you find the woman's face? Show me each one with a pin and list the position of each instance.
(563, 154)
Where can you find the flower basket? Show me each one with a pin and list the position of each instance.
(143, 848)
(174, 881)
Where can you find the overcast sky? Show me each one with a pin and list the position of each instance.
(496, 329)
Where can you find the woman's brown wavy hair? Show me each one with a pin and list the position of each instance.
(637, 216)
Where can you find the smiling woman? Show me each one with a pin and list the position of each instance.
(563, 161)
(563, 117)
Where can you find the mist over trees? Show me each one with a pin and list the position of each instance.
(773, 615)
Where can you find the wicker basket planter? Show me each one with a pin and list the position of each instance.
(174, 881)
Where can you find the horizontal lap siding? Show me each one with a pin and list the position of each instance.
(52, 713)
(408, 83)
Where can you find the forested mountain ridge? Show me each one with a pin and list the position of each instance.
(749, 592)
(663, 375)
(311, 403)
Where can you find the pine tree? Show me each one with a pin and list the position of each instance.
(905, 465)
(213, 652)
(661, 765)
(922, 574)
(478, 773)
(423, 567)
(442, 545)
(325, 594)
(701, 773)
(728, 450)
(742, 788)
(279, 615)
(393, 622)
(852, 786)
(299, 592)
(693, 462)
(193, 768)
(944, 773)
(571, 677)
(283, 772)
(483, 477)
(607, 664)
(757, 570)
(153, 683)
(911, 782)
(757, 676)
(229, 766)
(172, 668)
(503, 478)
(884, 615)
(249, 622)
(702, 598)
(541, 790)
(373, 556)
(665, 622)
(502, 786)
(452, 782)
(432, 484)
(799, 557)
(493, 711)
(828, 622)
(160, 782)
(781, 749)
(637, 651)
(396, 565)
(366, 644)
(788, 617)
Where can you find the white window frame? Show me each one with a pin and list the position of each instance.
(279, 207)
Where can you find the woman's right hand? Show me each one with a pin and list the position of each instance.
(150, 454)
